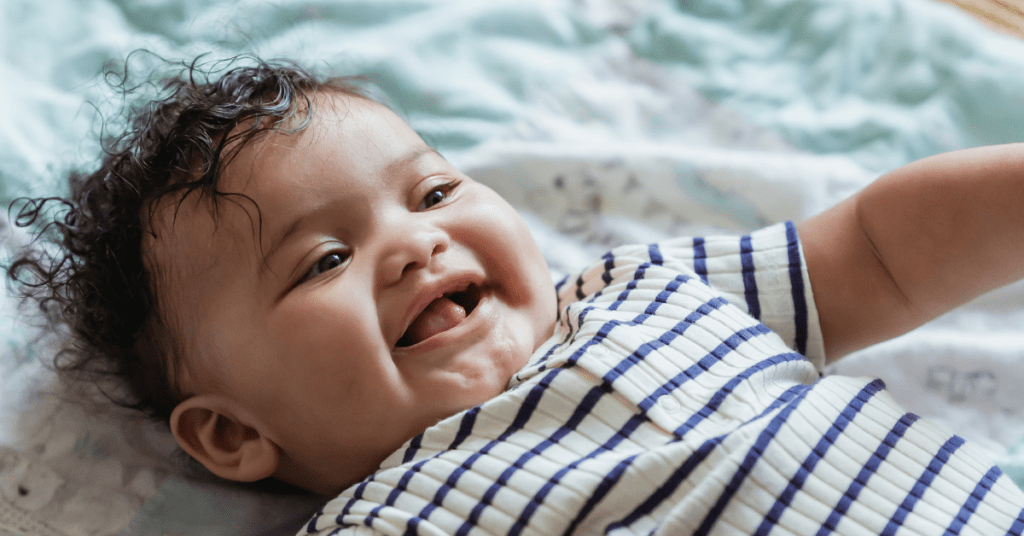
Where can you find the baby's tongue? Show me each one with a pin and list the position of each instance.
(441, 315)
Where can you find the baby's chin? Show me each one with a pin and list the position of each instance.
(482, 380)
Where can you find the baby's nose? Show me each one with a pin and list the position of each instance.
(410, 248)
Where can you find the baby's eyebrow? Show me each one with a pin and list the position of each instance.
(276, 243)
(409, 158)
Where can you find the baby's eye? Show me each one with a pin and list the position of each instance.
(437, 195)
(328, 262)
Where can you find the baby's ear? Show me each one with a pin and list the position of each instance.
(208, 430)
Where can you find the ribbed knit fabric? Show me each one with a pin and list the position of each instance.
(675, 398)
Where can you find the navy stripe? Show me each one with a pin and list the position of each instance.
(412, 525)
(704, 364)
(749, 281)
(607, 327)
(922, 484)
(669, 486)
(449, 484)
(561, 283)
(796, 281)
(357, 495)
(554, 348)
(796, 483)
(869, 469)
(673, 481)
(973, 500)
(641, 352)
(638, 275)
(374, 514)
(311, 526)
(584, 408)
(753, 455)
(609, 264)
(396, 492)
(622, 367)
(606, 276)
(558, 292)
(522, 417)
(414, 445)
(718, 398)
(664, 295)
(602, 489)
(700, 256)
(465, 427)
(623, 296)
(627, 429)
(403, 483)
(791, 396)
(665, 339)
(583, 316)
(654, 253)
(1018, 525)
(603, 332)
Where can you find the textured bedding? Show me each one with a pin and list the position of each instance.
(603, 121)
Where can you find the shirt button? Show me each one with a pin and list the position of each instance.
(669, 403)
(597, 350)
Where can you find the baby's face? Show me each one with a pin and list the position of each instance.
(385, 291)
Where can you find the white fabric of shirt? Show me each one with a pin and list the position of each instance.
(675, 398)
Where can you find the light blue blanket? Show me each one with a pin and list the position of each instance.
(604, 121)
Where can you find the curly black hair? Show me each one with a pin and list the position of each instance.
(96, 281)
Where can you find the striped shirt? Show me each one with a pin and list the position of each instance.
(675, 398)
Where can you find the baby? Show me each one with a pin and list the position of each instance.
(283, 271)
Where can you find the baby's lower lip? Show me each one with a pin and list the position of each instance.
(443, 338)
(440, 315)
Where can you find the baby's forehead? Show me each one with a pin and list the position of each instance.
(191, 235)
(266, 176)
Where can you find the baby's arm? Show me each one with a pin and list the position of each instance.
(916, 243)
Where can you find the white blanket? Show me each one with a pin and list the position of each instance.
(604, 121)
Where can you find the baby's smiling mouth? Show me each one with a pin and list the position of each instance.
(440, 315)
